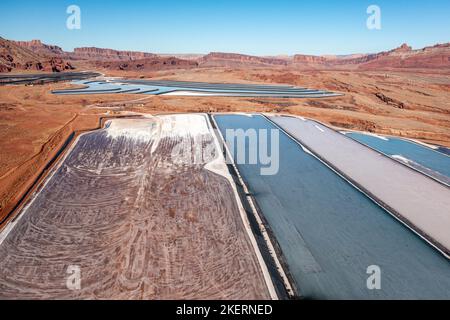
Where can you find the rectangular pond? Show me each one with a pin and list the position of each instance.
(422, 158)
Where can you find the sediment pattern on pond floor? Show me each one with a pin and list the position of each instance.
(138, 223)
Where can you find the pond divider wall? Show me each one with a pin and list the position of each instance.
(285, 286)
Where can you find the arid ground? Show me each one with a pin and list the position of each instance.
(34, 122)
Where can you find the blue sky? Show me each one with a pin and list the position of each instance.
(252, 27)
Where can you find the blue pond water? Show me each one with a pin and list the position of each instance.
(330, 233)
(425, 157)
(164, 87)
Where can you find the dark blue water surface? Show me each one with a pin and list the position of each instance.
(330, 233)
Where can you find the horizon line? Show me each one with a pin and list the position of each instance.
(230, 52)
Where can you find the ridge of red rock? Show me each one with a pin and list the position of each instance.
(402, 57)
(19, 57)
(28, 54)
(109, 54)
